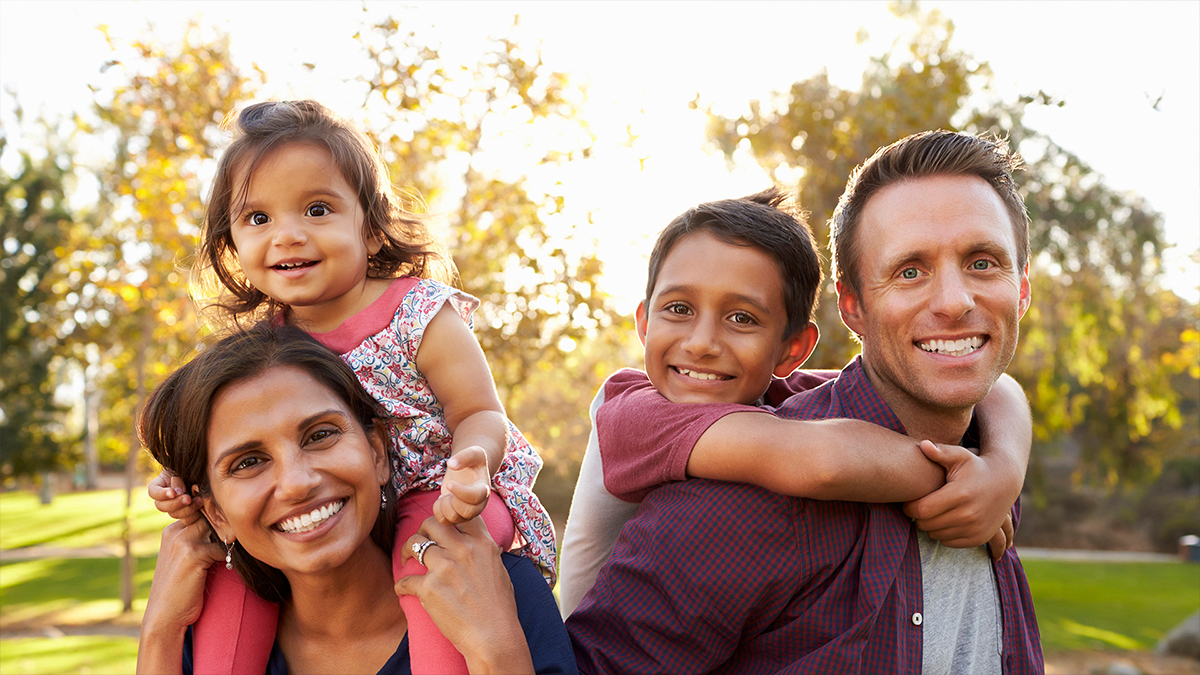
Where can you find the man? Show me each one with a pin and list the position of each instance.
(930, 251)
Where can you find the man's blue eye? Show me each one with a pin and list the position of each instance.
(981, 264)
(910, 273)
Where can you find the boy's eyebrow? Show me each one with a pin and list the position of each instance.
(754, 302)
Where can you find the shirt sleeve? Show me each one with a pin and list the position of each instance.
(593, 526)
(679, 594)
(549, 644)
(798, 382)
(646, 440)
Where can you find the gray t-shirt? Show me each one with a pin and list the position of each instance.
(961, 619)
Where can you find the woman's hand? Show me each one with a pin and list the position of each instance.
(176, 593)
(469, 596)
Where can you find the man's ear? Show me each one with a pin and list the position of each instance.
(851, 309)
(639, 318)
(214, 514)
(379, 443)
(1026, 292)
(799, 347)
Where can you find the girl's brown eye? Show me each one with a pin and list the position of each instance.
(259, 219)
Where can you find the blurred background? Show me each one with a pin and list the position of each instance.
(551, 142)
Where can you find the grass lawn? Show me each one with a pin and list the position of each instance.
(72, 654)
(79, 520)
(1112, 606)
(68, 592)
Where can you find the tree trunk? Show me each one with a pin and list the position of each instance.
(128, 562)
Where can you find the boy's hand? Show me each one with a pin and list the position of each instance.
(969, 510)
(170, 496)
(465, 487)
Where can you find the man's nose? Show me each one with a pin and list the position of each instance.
(952, 295)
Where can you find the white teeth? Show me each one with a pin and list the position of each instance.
(953, 347)
(290, 266)
(699, 376)
(308, 521)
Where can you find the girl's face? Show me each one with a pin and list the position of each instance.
(300, 235)
(293, 475)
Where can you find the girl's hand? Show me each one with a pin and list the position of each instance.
(170, 496)
(968, 511)
(469, 596)
(177, 591)
(465, 488)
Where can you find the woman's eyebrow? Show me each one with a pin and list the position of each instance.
(300, 426)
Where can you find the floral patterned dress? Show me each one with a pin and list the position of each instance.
(380, 343)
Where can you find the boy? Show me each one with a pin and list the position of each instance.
(732, 285)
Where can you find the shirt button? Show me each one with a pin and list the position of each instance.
(917, 619)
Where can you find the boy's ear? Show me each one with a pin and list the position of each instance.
(798, 349)
(639, 318)
(851, 309)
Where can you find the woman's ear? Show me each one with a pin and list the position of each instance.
(378, 438)
(214, 514)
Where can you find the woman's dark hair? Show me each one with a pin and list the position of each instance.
(173, 425)
(408, 246)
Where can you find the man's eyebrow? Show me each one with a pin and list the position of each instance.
(253, 444)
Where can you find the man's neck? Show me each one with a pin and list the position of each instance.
(921, 420)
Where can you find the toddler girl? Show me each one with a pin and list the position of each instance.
(303, 227)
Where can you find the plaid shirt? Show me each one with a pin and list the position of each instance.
(731, 578)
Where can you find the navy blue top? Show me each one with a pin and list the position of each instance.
(536, 610)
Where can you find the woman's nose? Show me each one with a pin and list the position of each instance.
(296, 479)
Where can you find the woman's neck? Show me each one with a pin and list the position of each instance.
(336, 618)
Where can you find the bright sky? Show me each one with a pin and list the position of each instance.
(643, 62)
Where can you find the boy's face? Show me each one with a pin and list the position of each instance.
(713, 330)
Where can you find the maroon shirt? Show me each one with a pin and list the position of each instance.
(726, 577)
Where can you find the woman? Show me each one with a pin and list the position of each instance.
(279, 442)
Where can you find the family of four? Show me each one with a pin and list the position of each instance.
(343, 445)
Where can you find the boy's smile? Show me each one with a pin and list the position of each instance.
(713, 330)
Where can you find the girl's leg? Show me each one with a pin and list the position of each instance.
(236, 629)
(429, 651)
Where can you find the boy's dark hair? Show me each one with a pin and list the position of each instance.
(173, 425)
(929, 153)
(408, 246)
(767, 221)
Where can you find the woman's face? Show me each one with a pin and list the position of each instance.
(294, 476)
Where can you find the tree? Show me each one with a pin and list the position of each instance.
(165, 124)
(1101, 345)
(486, 137)
(38, 228)
(496, 129)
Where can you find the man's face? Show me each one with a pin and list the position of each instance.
(940, 292)
(713, 330)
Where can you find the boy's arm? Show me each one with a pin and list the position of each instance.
(842, 459)
(979, 495)
(645, 439)
(593, 526)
